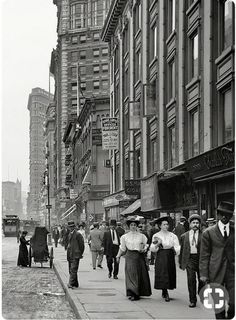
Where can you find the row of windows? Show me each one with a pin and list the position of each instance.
(97, 84)
(92, 13)
(83, 38)
(82, 54)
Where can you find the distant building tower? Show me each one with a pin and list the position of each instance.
(11, 198)
(37, 105)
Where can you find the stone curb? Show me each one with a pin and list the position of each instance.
(70, 295)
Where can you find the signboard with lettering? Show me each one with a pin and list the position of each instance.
(110, 133)
(149, 194)
(132, 187)
(210, 162)
(73, 194)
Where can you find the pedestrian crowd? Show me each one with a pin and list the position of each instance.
(205, 249)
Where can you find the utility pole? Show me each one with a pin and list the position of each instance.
(48, 206)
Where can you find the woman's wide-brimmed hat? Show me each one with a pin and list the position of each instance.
(132, 219)
(24, 232)
(164, 218)
(226, 207)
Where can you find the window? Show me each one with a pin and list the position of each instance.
(74, 56)
(104, 51)
(82, 39)
(195, 133)
(96, 53)
(74, 102)
(138, 17)
(228, 117)
(153, 42)
(194, 56)
(97, 12)
(153, 155)
(171, 16)
(228, 24)
(96, 37)
(82, 70)
(137, 65)
(96, 84)
(83, 86)
(171, 79)
(105, 68)
(82, 54)
(77, 15)
(74, 39)
(137, 163)
(172, 146)
(105, 84)
(74, 86)
(126, 40)
(73, 72)
(96, 69)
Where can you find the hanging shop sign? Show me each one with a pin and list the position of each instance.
(110, 134)
(132, 187)
(149, 194)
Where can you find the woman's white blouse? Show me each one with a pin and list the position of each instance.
(168, 239)
(133, 241)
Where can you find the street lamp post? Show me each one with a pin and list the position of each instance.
(48, 206)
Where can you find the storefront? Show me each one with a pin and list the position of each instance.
(214, 176)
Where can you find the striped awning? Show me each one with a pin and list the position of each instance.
(68, 212)
(132, 208)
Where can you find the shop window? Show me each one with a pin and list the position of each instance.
(228, 116)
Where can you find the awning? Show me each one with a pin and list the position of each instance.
(68, 212)
(87, 177)
(132, 208)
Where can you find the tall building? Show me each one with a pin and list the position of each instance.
(81, 70)
(11, 198)
(37, 105)
(172, 87)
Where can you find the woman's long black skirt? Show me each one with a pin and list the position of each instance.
(165, 269)
(136, 275)
(23, 256)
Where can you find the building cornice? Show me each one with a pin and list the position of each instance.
(112, 18)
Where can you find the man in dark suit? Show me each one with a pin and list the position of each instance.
(75, 252)
(119, 229)
(217, 256)
(189, 257)
(180, 228)
(111, 242)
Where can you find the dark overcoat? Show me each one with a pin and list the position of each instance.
(75, 247)
(216, 254)
(185, 249)
(108, 244)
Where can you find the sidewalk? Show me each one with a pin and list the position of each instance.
(99, 297)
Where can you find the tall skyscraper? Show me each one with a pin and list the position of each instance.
(37, 105)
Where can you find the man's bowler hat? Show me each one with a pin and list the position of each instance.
(226, 207)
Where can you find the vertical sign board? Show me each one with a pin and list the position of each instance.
(134, 115)
(110, 136)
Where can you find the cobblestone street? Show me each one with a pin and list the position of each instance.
(30, 293)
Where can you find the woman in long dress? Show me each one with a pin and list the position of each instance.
(166, 245)
(134, 245)
(23, 251)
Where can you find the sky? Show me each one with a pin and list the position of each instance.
(27, 37)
